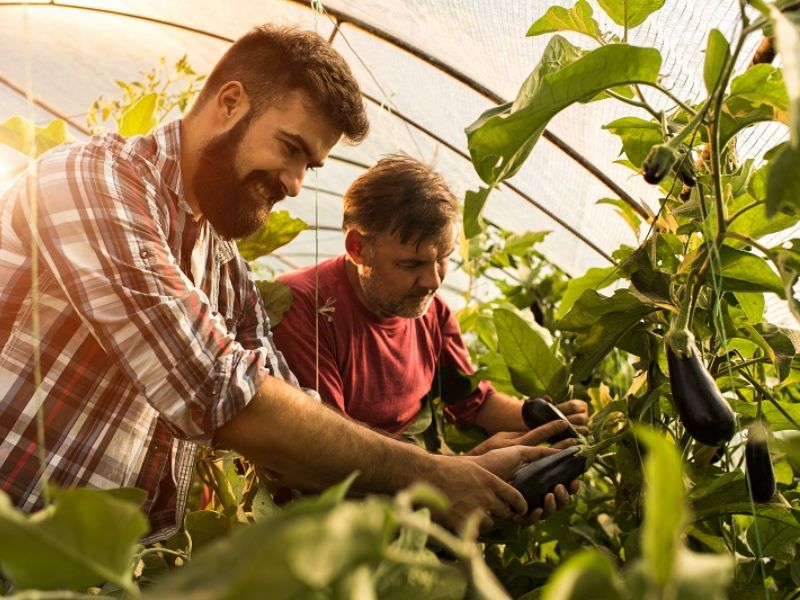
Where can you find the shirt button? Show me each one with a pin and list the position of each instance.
(143, 254)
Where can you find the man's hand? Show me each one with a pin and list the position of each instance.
(504, 462)
(534, 437)
(577, 413)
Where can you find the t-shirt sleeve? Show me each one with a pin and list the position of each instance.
(100, 232)
(462, 401)
(314, 364)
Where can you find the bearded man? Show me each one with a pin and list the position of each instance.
(132, 327)
(368, 330)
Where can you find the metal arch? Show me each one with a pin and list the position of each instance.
(513, 188)
(341, 16)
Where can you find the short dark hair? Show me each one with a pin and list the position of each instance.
(401, 196)
(270, 61)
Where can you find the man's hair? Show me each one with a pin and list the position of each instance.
(400, 196)
(272, 61)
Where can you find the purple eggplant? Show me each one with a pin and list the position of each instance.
(538, 411)
(705, 414)
(758, 465)
(539, 478)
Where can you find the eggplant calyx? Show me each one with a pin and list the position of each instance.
(681, 342)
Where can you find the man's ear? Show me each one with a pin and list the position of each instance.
(231, 102)
(354, 243)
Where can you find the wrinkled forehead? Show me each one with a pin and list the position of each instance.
(436, 244)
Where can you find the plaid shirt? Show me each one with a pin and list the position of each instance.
(139, 361)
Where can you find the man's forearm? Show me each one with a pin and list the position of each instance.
(500, 412)
(310, 446)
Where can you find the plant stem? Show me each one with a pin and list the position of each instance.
(772, 399)
(748, 240)
(672, 97)
(741, 211)
(643, 105)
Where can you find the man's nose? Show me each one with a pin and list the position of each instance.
(291, 179)
(430, 279)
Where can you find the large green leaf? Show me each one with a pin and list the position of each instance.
(591, 306)
(783, 185)
(535, 369)
(664, 505)
(758, 94)
(774, 532)
(745, 272)
(718, 52)
(578, 18)
(85, 538)
(293, 555)
(500, 140)
(587, 574)
(280, 229)
(595, 278)
(754, 221)
(630, 13)
(140, 118)
(30, 139)
(603, 322)
(637, 135)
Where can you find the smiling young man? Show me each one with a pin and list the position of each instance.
(385, 336)
(144, 332)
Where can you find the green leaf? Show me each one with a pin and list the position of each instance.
(140, 118)
(473, 207)
(587, 574)
(774, 532)
(752, 304)
(535, 369)
(500, 140)
(85, 538)
(293, 555)
(206, 526)
(778, 347)
(718, 52)
(787, 37)
(758, 94)
(578, 18)
(664, 505)
(625, 211)
(277, 299)
(777, 420)
(630, 13)
(783, 187)
(745, 272)
(595, 278)
(591, 306)
(637, 135)
(280, 229)
(519, 244)
(30, 139)
(603, 322)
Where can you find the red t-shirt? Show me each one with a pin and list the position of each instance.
(376, 370)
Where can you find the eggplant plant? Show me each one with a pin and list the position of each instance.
(686, 317)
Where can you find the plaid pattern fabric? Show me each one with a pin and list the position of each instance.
(138, 362)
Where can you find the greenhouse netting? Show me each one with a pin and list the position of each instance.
(629, 172)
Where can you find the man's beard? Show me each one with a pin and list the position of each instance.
(233, 206)
(412, 305)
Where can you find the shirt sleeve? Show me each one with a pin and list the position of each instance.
(254, 330)
(100, 232)
(296, 338)
(462, 401)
